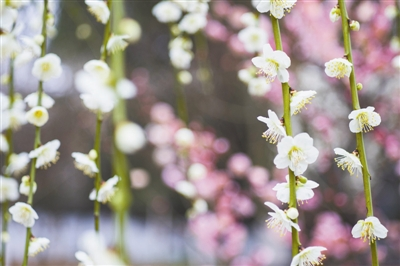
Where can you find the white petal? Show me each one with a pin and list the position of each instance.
(283, 75)
(357, 229)
(354, 126)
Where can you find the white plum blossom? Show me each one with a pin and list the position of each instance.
(303, 190)
(275, 131)
(37, 116)
(349, 161)
(369, 229)
(8, 17)
(98, 69)
(166, 12)
(17, 163)
(296, 153)
(184, 137)
(279, 220)
(47, 67)
(84, 259)
(309, 256)
(258, 87)
(192, 23)
(249, 19)
(363, 120)
(181, 42)
(8, 189)
(126, 89)
(197, 171)
(37, 245)
(299, 99)
(129, 137)
(13, 118)
(276, 7)
(334, 14)
(24, 214)
(253, 39)
(186, 188)
(117, 43)
(46, 154)
(99, 9)
(103, 100)
(338, 68)
(86, 162)
(32, 100)
(9, 45)
(180, 58)
(273, 63)
(3, 144)
(247, 74)
(106, 191)
(292, 213)
(24, 187)
(200, 7)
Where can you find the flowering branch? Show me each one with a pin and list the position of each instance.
(288, 126)
(359, 135)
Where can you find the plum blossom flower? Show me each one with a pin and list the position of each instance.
(303, 189)
(296, 153)
(117, 43)
(126, 89)
(24, 214)
(106, 191)
(37, 116)
(275, 131)
(184, 137)
(349, 161)
(166, 12)
(334, 14)
(32, 100)
(46, 154)
(276, 7)
(24, 187)
(129, 137)
(253, 39)
(8, 189)
(13, 118)
(258, 87)
(47, 67)
(369, 229)
(17, 163)
(299, 99)
(37, 245)
(103, 100)
(86, 162)
(280, 220)
(99, 9)
(309, 256)
(364, 119)
(192, 23)
(98, 69)
(338, 68)
(273, 63)
(180, 58)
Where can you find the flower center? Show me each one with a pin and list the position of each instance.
(45, 67)
(363, 121)
(339, 68)
(38, 114)
(270, 70)
(311, 259)
(296, 155)
(368, 232)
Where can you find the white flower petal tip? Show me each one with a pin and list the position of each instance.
(279, 220)
(37, 116)
(299, 99)
(364, 120)
(46, 154)
(296, 153)
(117, 43)
(304, 189)
(338, 68)
(276, 7)
(272, 64)
(369, 230)
(309, 256)
(99, 9)
(47, 67)
(349, 161)
(37, 245)
(24, 214)
(275, 131)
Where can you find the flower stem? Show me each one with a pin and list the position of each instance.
(37, 141)
(107, 31)
(288, 127)
(204, 72)
(97, 180)
(359, 136)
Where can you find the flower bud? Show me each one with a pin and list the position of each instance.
(37, 116)
(292, 213)
(184, 137)
(354, 25)
(39, 39)
(92, 155)
(334, 15)
(130, 27)
(184, 77)
(129, 137)
(359, 86)
(302, 179)
(24, 187)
